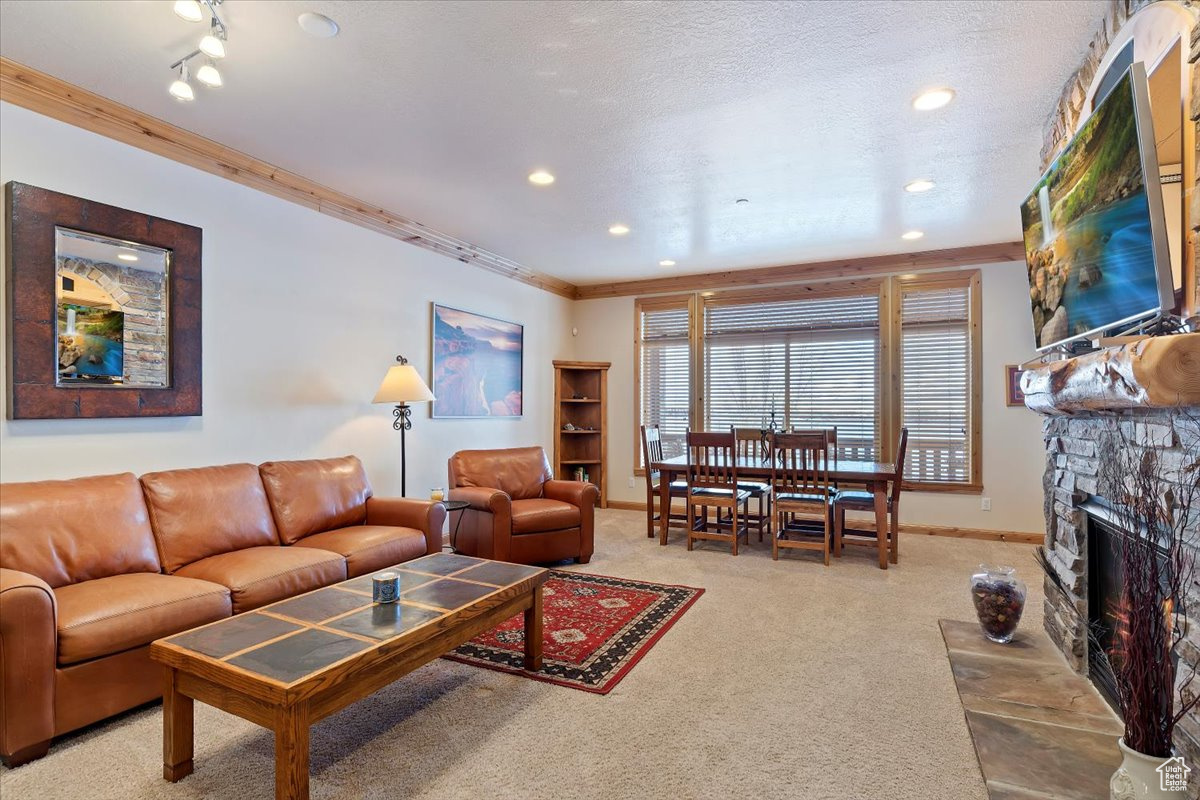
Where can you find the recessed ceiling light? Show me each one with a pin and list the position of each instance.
(318, 25)
(127, 256)
(910, 235)
(541, 178)
(934, 98)
(618, 229)
(189, 10)
(919, 185)
(666, 262)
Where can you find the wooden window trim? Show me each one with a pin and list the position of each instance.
(890, 367)
(641, 305)
(972, 280)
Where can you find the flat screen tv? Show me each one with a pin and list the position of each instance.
(1095, 235)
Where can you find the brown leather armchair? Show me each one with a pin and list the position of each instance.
(517, 512)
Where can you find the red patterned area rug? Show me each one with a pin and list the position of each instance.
(595, 627)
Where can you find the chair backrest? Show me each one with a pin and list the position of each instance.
(801, 464)
(519, 472)
(652, 453)
(901, 453)
(712, 462)
(750, 443)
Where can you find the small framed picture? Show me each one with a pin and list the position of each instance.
(1013, 396)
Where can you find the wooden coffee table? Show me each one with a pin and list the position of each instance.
(289, 664)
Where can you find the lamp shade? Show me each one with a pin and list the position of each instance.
(402, 384)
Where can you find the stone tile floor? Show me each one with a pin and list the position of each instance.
(1040, 730)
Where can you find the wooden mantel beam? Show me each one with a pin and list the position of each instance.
(1157, 372)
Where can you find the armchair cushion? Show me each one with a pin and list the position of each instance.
(539, 515)
(368, 548)
(109, 615)
(315, 495)
(260, 575)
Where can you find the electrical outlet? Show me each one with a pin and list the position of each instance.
(985, 503)
(631, 480)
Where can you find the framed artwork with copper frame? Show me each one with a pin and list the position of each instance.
(1013, 396)
(104, 310)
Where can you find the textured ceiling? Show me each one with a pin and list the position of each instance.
(657, 115)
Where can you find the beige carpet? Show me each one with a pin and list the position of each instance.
(785, 679)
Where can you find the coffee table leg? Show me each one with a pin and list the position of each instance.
(533, 632)
(291, 752)
(178, 729)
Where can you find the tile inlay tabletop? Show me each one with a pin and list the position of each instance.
(291, 663)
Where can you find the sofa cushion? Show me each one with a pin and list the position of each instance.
(540, 514)
(519, 472)
(368, 548)
(110, 615)
(316, 495)
(197, 513)
(260, 575)
(66, 532)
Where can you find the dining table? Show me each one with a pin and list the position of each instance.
(873, 475)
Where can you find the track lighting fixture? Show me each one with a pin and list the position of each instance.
(180, 88)
(189, 10)
(209, 76)
(211, 45)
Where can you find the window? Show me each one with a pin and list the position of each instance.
(803, 363)
(865, 356)
(937, 377)
(664, 374)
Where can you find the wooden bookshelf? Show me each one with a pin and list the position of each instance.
(581, 400)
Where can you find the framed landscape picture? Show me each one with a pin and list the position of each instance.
(478, 365)
(1013, 395)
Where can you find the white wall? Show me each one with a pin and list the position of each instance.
(1013, 454)
(303, 314)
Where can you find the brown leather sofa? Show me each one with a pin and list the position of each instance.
(94, 569)
(517, 512)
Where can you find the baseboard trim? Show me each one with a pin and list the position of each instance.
(952, 532)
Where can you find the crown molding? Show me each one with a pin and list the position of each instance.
(812, 271)
(45, 94)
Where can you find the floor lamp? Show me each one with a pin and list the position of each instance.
(402, 385)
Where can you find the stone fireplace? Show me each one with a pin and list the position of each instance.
(1149, 392)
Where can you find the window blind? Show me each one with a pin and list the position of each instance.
(813, 361)
(665, 376)
(936, 387)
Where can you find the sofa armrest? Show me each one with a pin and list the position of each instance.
(424, 515)
(482, 498)
(28, 651)
(577, 493)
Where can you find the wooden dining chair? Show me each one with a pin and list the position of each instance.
(713, 482)
(831, 435)
(751, 445)
(652, 453)
(858, 500)
(800, 485)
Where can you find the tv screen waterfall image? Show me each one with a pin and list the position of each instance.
(477, 365)
(1094, 242)
(91, 343)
